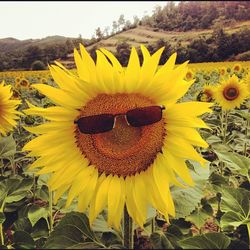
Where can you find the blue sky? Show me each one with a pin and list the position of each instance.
(30, 19)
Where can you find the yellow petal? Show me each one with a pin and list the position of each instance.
(85, 197)
(132, 72)
(114, 195)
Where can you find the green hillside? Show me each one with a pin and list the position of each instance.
(148, 35)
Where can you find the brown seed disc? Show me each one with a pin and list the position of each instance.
(230, 93)
(209, 95)
(237, 68)
(124, 150)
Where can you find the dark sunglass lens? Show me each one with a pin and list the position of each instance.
(95, 124)
(144, 116)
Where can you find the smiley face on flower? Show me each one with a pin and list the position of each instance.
(116, 136)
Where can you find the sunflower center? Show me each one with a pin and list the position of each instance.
(231, 93)
(189, 75)
(237, 68)
(124, 150)
(209, 95)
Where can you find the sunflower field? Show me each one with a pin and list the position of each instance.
(176, 180)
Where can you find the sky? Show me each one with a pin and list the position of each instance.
(38, 19)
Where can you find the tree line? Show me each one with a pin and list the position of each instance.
(188, 15)
(220, 46)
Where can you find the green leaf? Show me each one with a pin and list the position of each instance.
(17, 189)
(73, 229)
(43, 193)
(243, 114)
(199, 217)
(40, 230)
(235, 203)
(100, 223)
(23, 239)
(206, 241)
(217, 179)
(187, 199)
(213, 139)
(2, 217)
(3, 247)
(7, 147)
(23, 224)
(85, 245)
(36, 213)
(234, 161)
(160, 241)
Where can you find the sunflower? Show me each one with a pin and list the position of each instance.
(222, 71)
(8, 112)
(24, 83)
(237, 68)
(17, 79)
(44, 80)
(127, 165)
(189, 75)
(15, 94)
(231, 93)
(247, 82)
(207, 94)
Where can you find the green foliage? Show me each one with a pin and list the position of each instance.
(188, 15)
(38, 65)
(235, 203)
(206, 241)
(160, 241)
(36, 213)
(73, 229)
(14, 189)
(23, 240)
(187, 199)
(7, 147)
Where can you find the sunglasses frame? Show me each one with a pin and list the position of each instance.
(162, 107)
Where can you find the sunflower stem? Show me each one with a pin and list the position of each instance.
(224, 126)
(1, 235)
(128, 230)
(248, 229)
(246, 134)
(224, 116)
(34, 187)
(153, 225)
(1, 225)
(51, 220)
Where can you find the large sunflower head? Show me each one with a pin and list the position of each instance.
(8, 112)
(231, 93)
(116, 136)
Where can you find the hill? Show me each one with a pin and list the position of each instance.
(11, 44)
(148, 35)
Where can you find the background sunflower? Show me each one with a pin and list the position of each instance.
(8, 112)
(231, 93)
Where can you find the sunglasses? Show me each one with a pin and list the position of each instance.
(137, 117)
